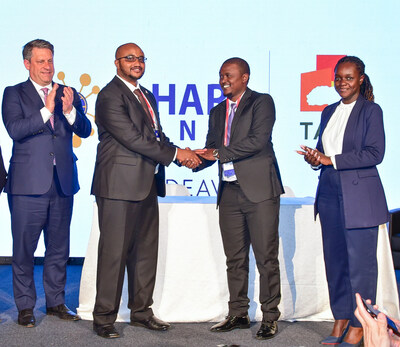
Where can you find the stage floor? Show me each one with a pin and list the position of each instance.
(50, 331)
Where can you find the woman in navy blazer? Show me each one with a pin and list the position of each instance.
(350, 199)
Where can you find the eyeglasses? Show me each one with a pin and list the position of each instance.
(132, 58)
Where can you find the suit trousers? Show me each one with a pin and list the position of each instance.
(30, 214)
(242, 223)
(128, 239)
(350, 254)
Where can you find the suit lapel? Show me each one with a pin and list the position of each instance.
(350, 131)
(324, 122)
(121, 85)
(153, 106)
(220, 115)
(30, 90)
(326, 119)
(242, 104)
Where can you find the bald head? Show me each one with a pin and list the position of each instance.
(126, 47)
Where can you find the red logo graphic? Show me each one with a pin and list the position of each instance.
(322, 77)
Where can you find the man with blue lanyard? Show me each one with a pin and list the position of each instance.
(239, 138)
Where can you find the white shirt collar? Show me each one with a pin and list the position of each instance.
(345, 106)
(39, 87)
(235, 102)
(131, 87)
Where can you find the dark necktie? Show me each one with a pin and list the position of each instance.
(140, 96)
(46, 93)
(230, 119)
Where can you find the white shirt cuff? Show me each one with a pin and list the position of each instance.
(46, 114)
(333, 160)
(71, 116)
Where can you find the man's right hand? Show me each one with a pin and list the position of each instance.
(188, 158)
(50, 103)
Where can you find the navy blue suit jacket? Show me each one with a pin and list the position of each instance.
(35, 144)
(363, 148)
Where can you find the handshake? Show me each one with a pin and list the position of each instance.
(192, 158)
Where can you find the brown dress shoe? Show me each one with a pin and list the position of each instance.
(267, 330)
(230, 323)
(62, 312)
(152, 323)
(106, 331)
(26, 318)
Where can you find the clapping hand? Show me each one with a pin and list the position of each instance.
(50, 103)
(314, 157)
(67, 100)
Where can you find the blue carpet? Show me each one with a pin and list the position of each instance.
(71, 293)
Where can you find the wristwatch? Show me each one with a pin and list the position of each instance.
(216, 154)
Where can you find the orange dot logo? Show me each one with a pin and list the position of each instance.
(85, 81)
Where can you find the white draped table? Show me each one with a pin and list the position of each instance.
(191, 283)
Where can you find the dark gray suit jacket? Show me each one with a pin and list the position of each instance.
(250, 148)
(128, 151)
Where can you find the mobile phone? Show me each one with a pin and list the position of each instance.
(374, 313)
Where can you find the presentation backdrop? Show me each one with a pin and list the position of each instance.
(291, 47)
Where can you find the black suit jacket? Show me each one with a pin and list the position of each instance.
(128, 151)
(250, 148)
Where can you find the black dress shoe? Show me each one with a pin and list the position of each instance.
(62, 312)
(152, 323)
(267, 330)
(26, 318)
(232, 322)
(107, 331)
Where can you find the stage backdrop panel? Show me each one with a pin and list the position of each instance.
(291, 47)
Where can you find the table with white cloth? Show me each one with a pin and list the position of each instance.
(191, 283)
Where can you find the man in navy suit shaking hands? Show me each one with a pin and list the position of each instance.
(40, 116)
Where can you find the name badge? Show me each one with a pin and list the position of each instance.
(229, 171)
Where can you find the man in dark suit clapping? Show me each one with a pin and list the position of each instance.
(40, 116)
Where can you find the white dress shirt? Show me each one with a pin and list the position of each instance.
(332, 137)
